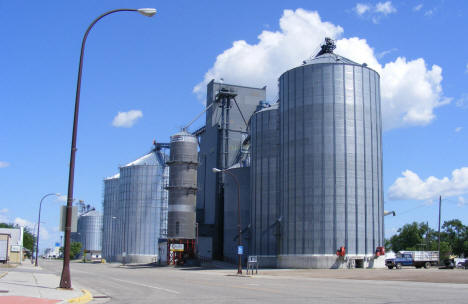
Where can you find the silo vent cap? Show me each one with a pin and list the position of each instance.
(327, 47)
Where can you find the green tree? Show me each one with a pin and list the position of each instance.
(455, 233)
(75, 249)
(412, 236)
(419, 236)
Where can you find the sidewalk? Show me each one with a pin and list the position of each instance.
(33, 285)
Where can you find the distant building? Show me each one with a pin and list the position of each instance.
(11, 245)
(52, 253)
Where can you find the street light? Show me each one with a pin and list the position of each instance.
(39, 223)
(239, 243)
(65, 280)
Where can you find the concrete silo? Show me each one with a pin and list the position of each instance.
(330, 162)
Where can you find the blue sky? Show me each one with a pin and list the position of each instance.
(158, 68)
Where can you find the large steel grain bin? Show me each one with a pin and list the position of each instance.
(331, 162)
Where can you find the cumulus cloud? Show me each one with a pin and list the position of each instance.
(458, 129)
(385, 53)
(429, 13)
(418, 7)
(462, 102)
(127, 119)
(385, 8)
(374, 12)
(4, 164)
(410, 89)
(361, 8)
(412, 187)
(23, 222)
(461, 201)
(44, 233)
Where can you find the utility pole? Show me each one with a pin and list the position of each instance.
(440, 207)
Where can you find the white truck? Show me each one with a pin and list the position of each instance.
(4, 251)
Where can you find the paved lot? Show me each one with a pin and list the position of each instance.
(154, 284)
(432, 275)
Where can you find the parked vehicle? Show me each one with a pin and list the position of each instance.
(462, 264)
(4, 251)
(417, 259)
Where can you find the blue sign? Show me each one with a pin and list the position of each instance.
(57, 244)
(240, 249)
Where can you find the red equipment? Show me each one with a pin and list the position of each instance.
(380, 251)
(341, 251)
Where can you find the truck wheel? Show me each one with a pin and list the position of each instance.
(398, 265)
(427, 265)
(390, 267)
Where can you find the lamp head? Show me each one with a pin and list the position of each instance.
(216, 170)
(148, 12)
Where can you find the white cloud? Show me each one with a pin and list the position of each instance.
(262, 63)
(412, 187)
(62, 198)
(374, 12)
(23, 222)
(462, 102)
(461, 201)
(429, 13)
(418, 7)
(385, 53)
(127, 119)
(410, 90)
(458, 129)
(44, 233)
(4, 164)
(385, 8)
(361, 8)
(3, 210)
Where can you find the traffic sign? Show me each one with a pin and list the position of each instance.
(240, 249)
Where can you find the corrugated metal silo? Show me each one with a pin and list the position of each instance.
(90, 231)
(111, 233)
(264, 130)
(331, 162)
(141, 193)
(182, 187)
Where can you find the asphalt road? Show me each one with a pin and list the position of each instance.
(175, 285)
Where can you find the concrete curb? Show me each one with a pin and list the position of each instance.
(3, 274)
(85, 298)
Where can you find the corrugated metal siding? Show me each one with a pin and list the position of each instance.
(90, 231)
(140, 196)
(331, 159)
(110, 232)
(265, 181)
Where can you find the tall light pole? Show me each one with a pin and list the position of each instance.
(39, 223)
(239, 229)
(65, 281)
